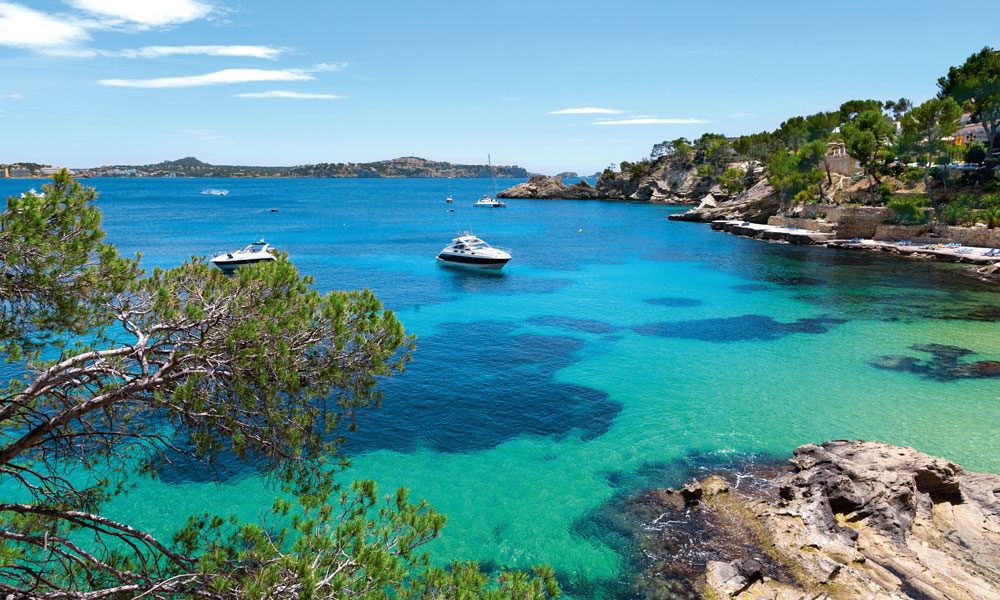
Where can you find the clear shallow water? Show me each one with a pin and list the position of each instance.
(616, 350)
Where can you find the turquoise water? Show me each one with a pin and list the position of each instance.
(617, 349)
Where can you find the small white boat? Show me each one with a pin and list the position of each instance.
(32, 192)
(214, 192)
(490, 201)
(254, 253)
(448, 200)
(469, 251)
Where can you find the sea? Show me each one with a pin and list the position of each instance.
(617, 351)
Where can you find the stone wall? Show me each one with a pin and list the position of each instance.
(939, 234)
(811, 224)
(846, 221)
(970, 236)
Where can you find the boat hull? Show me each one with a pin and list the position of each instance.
(232, 265)
(474, 262)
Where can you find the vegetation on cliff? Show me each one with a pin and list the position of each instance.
(409, 166)
(894, 143)
(125, 372)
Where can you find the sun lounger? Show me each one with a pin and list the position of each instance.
(906, 243)
(992, 252)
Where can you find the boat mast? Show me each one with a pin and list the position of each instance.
(493, 175)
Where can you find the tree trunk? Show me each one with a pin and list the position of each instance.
(927, 184)
(991, 134)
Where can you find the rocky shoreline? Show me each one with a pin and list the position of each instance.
(846, 519)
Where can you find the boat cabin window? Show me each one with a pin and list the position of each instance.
(479, 245)
(460, 246)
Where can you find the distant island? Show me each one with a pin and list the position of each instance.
(407, 166)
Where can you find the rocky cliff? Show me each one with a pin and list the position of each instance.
(663, 185)
(852, 519)
(755, 205)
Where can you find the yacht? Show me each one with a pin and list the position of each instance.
(32, 192)
(448, 200)
(254, 253)
(469, 251)
(487, 200)
(214, 192)
(491, 200)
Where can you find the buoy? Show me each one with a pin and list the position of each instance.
(581, 231)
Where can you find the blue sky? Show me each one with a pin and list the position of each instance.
(91, 82)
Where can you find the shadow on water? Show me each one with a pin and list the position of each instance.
(945, 364)
(476, 385)
(737, 329)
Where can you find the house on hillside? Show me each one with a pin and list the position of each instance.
(837, 160)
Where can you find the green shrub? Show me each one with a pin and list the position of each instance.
(976, 153)
(885, 191)
(607, 174)
(956, 212)
(912, 175)
(908, 208)
(991, 215)
(704, 170)
(733, 180)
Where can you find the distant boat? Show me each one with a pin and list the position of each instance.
(490, 201)
(214, 192)
(448, 200)
(254, 253)
(32, 192)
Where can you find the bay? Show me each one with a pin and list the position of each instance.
(617, 350)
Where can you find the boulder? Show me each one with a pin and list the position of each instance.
(854, 519)
(755, 205)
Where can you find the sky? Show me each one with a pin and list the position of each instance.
(550, 86)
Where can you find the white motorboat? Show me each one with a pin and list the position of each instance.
(469, 251)
(254, 253)
(215, 192)
(32, 192)
(487, 200)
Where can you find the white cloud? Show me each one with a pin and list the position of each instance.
(741, 115)
(149, 13)
(23, 27)
(268, 52)
(650, 121)
(284, 94)
(587, 110)
(215, 78)
(336, 66)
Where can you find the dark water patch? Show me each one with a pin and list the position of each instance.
(584, 325)
(674, 302)
(611, 338)
(750, 287)
(988, 313)
(477, 385)
(464, 280)
(665, 547)
(945, 363)
(737, 329)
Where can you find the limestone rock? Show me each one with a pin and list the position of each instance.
(855, 519)
(755, 205)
